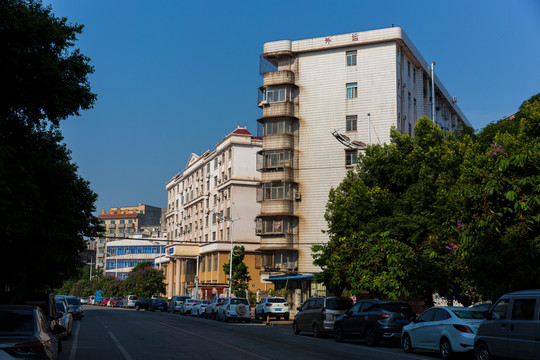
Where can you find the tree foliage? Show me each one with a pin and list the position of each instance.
(240, 272)
(387, 217)
(46, 206)
(145, 281)
(439, 212)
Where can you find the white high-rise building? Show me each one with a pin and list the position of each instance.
(313, 90)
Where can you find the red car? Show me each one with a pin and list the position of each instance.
(104, 302)
(115, 301)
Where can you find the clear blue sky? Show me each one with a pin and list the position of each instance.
(174, 77)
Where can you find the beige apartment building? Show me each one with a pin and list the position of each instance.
(354, 86)
(212, 204)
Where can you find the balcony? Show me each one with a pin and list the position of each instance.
(277, 174)
(278, 78)
(277, 206)
(283, 108)
(278, 141)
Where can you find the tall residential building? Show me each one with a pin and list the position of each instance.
(211, 205)
(312, 90)
(122, 223)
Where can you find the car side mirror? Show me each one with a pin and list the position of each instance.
(414, 319)
(487, 315)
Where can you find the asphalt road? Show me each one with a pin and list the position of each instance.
(125, 334)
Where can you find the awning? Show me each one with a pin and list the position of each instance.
(296, 277)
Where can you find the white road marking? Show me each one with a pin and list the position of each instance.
(74, 341)
(120, 347)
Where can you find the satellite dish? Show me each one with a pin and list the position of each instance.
(345, 140)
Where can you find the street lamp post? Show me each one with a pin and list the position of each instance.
(230, 218)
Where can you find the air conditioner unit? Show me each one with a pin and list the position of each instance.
(208, 176)
(297, 196)
(263, 102)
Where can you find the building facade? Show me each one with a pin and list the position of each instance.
(359, 85)
(212, 206)
(123, 255)
(126, 222)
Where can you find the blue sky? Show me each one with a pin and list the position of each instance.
(175, 77)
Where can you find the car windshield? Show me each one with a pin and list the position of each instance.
(469, 314)
(60, 306)
(16, 322)
(73, 301)
(237, 301)
(276, 300)
(338, 304)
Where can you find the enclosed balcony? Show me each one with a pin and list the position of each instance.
(281, 77)
(284, 108)
(277, 174)
(277, 206)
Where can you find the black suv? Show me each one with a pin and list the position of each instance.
(373, 320)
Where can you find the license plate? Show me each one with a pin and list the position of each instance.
(278, 309)
(402, 321)
(234, 315)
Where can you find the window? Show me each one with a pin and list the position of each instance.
(277, 190)
(215, 162)
(215, 257)
(277, 158)
(427, 315)
(351, 121)
(441, 315)
(500, 310)
(408, 68)
(523, 309)
(351, 58)
(352, 90)
(277, 127)
(350, 157)
(214, 236)
(276, 95)
(270, 225)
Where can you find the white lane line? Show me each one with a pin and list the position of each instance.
(74, 341)
(120, 347)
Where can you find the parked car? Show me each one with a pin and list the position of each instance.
(129, 301)
(158, 305)
(83, 300)
(511, 328)
(47, 303)
(236, 308)
(318, 314)
(272, 306)
(143, 304)
(447, 329)
(373, 320)
(187, 306)
(26, 332)
(211, 309)
(482, 306)
(104, 302)
(115, 302)
(91, 299)
(198, 308)
(177, 302)
(66, 319)
(74, 306)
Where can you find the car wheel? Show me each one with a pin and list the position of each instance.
(338, 334)
(407, 344)
(295, 328)
(248, 321)
(481, 352)
(446, 349)
(255, 315)
(137, 308)
(316, 332)
(372, 338)
(287, 317)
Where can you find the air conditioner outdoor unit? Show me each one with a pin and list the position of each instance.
(297, 196)
(263, 102)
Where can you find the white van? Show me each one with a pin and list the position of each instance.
(511, 328)
(129, 301)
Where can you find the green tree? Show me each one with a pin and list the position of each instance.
(240, 272)
(46, 207)
(145, 281)
(500, 210)
(385, 221)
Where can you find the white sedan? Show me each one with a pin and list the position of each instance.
(446, 329)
